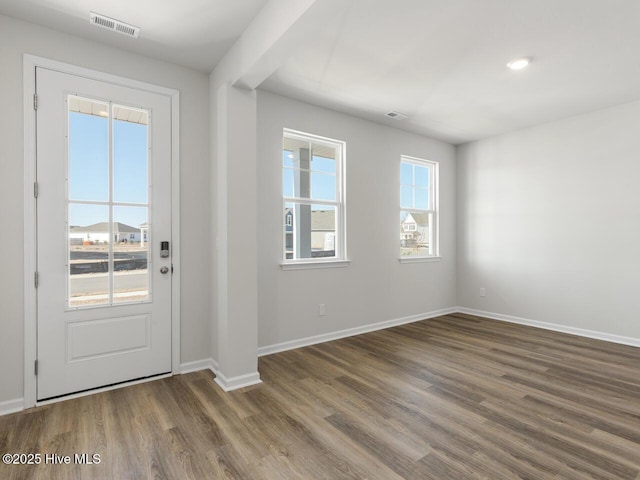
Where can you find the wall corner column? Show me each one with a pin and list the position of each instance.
(235, 269)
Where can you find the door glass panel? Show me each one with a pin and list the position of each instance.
(88, 149)
(88, 269)
(130, 155)
(108, 215)
(130, 254)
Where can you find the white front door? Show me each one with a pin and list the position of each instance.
(103, 215)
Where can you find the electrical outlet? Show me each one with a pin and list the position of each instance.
(483, 292)
(322, 310)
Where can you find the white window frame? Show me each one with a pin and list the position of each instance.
(340, 258)
(433, 211)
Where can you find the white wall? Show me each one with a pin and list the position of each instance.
(546, 218)
(375, 287)
(234, 271)
(549, 223)
(17, 38)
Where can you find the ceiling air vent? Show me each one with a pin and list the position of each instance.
(114, 25)
(396, 115)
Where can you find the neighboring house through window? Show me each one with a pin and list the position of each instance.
(418, 208)
(313, 203)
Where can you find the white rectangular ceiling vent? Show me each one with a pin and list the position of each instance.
(114, 25)
(396, 115)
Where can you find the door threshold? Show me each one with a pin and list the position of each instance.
(106, 388)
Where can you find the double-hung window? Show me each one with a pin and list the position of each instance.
(313, 199)
(418, 208)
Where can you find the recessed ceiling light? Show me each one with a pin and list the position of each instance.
(519, 63)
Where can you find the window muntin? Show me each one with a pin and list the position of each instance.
(313, 205)
(418, 208)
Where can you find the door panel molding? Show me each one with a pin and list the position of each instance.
(30, 62)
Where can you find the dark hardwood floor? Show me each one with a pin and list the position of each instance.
(456, 397)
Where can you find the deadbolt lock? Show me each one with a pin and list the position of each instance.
(164, 249)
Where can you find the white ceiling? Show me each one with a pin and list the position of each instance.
(193, 33)
(441, 62)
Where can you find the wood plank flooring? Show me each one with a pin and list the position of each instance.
(456, 397)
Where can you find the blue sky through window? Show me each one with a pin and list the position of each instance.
(323, 178)
(414, 188)
(89, 169)
(88, 157)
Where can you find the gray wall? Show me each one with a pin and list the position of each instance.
(549, 223)
(545, 219)
(375, 287)
(17, 38)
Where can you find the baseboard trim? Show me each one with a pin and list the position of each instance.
(242, 381)
(234, 383)
(350, 332)
(11, 406)
(581, 332)
(205, 364)
(227, 384)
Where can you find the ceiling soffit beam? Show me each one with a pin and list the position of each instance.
(279, 29)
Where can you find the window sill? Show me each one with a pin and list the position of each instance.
(419, 259)
(316, 264)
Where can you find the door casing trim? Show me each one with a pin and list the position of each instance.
(30, 62)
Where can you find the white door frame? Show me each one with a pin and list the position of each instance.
(30, 62)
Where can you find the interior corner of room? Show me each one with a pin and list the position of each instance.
(537, 212)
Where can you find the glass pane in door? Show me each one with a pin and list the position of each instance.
(108, 203)
(130, 188)
(130, 254)
(130, 155)
(88, 149)
(88, 260)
